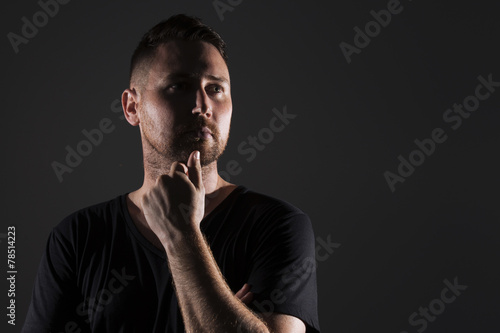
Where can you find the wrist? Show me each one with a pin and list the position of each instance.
(184, 241)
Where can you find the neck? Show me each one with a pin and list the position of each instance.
(216, 188)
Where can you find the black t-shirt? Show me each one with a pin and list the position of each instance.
(100, 274)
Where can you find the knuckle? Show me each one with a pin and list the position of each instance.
(162, 179)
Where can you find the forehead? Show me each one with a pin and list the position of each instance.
(187, 57)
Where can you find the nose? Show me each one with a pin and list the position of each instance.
(203, 105)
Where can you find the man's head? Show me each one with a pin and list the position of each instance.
(177, 27)
(179, 92)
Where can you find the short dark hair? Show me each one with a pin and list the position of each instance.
(177, 27)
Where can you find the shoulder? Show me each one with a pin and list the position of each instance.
(91, 219)
(269, 211)
(265, 203)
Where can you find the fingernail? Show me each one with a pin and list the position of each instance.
(197, 155)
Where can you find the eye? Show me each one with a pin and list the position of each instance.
(177, 86)
(216, 89)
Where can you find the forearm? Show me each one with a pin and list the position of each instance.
(206, 301)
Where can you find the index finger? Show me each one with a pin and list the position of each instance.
(194, 169)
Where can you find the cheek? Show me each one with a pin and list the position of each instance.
(224, 120)
(156, 114)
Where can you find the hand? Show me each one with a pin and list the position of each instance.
(176, 203)
(244, 294)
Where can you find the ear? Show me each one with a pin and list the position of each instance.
(130, 103)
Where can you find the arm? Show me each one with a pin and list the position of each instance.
(281, 323)
(55, 298)
(174, 209)
(206, 301)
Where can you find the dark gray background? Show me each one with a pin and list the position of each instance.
(353, 120)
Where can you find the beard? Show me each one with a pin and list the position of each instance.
(179, 144)
(184, 142)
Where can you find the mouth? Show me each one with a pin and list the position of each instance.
(201, 133)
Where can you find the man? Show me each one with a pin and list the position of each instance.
(187, 251)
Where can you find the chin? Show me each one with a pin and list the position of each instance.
(208, 153)
(209, 149)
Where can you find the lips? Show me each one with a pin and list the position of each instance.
(201, 133)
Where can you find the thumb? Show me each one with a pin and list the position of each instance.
(194, 169)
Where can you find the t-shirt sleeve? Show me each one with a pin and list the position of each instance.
(283, 273)
(55, 301)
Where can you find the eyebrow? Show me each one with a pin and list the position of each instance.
(174, 76)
